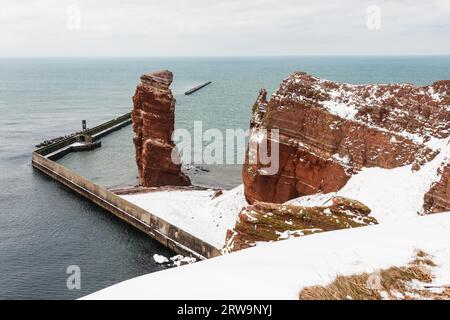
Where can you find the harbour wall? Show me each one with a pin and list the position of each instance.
(164, 232)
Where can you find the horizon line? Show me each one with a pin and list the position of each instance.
(229, 56)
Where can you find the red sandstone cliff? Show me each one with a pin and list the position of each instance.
(153, 119)
(330, 130)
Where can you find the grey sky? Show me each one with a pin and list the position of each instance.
(232, 27)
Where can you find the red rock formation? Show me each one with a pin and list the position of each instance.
(153, 119)
(272, 222)
(330, 130)
(437, 199)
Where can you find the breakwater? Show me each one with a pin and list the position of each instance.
(169, 235)
(191, 91)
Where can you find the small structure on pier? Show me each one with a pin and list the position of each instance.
(85, 141)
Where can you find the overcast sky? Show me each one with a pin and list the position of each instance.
(222, 28)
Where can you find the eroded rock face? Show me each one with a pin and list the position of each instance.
(437, 199)
(153, 119)
(330, 130)
(272, 222)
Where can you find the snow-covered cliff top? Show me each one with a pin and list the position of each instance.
(279, 270)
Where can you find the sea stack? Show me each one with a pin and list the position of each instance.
(329, 131)
(153, 119)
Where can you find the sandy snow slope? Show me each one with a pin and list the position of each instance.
(279, 270)
(195, 211)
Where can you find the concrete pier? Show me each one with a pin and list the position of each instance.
(167, 234)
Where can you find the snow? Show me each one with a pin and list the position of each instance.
(340, 109)
(395, 194)
(279, 270)
(288, 234)
(392, 194)
(160, 259)
(434, 95)
(179, 260)
(195, 211)
(344, 160)
(315, 200)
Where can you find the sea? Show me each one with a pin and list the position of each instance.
(45, 228)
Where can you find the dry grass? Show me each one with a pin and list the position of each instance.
(421, 254)
(425, 261)
(393, 283)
